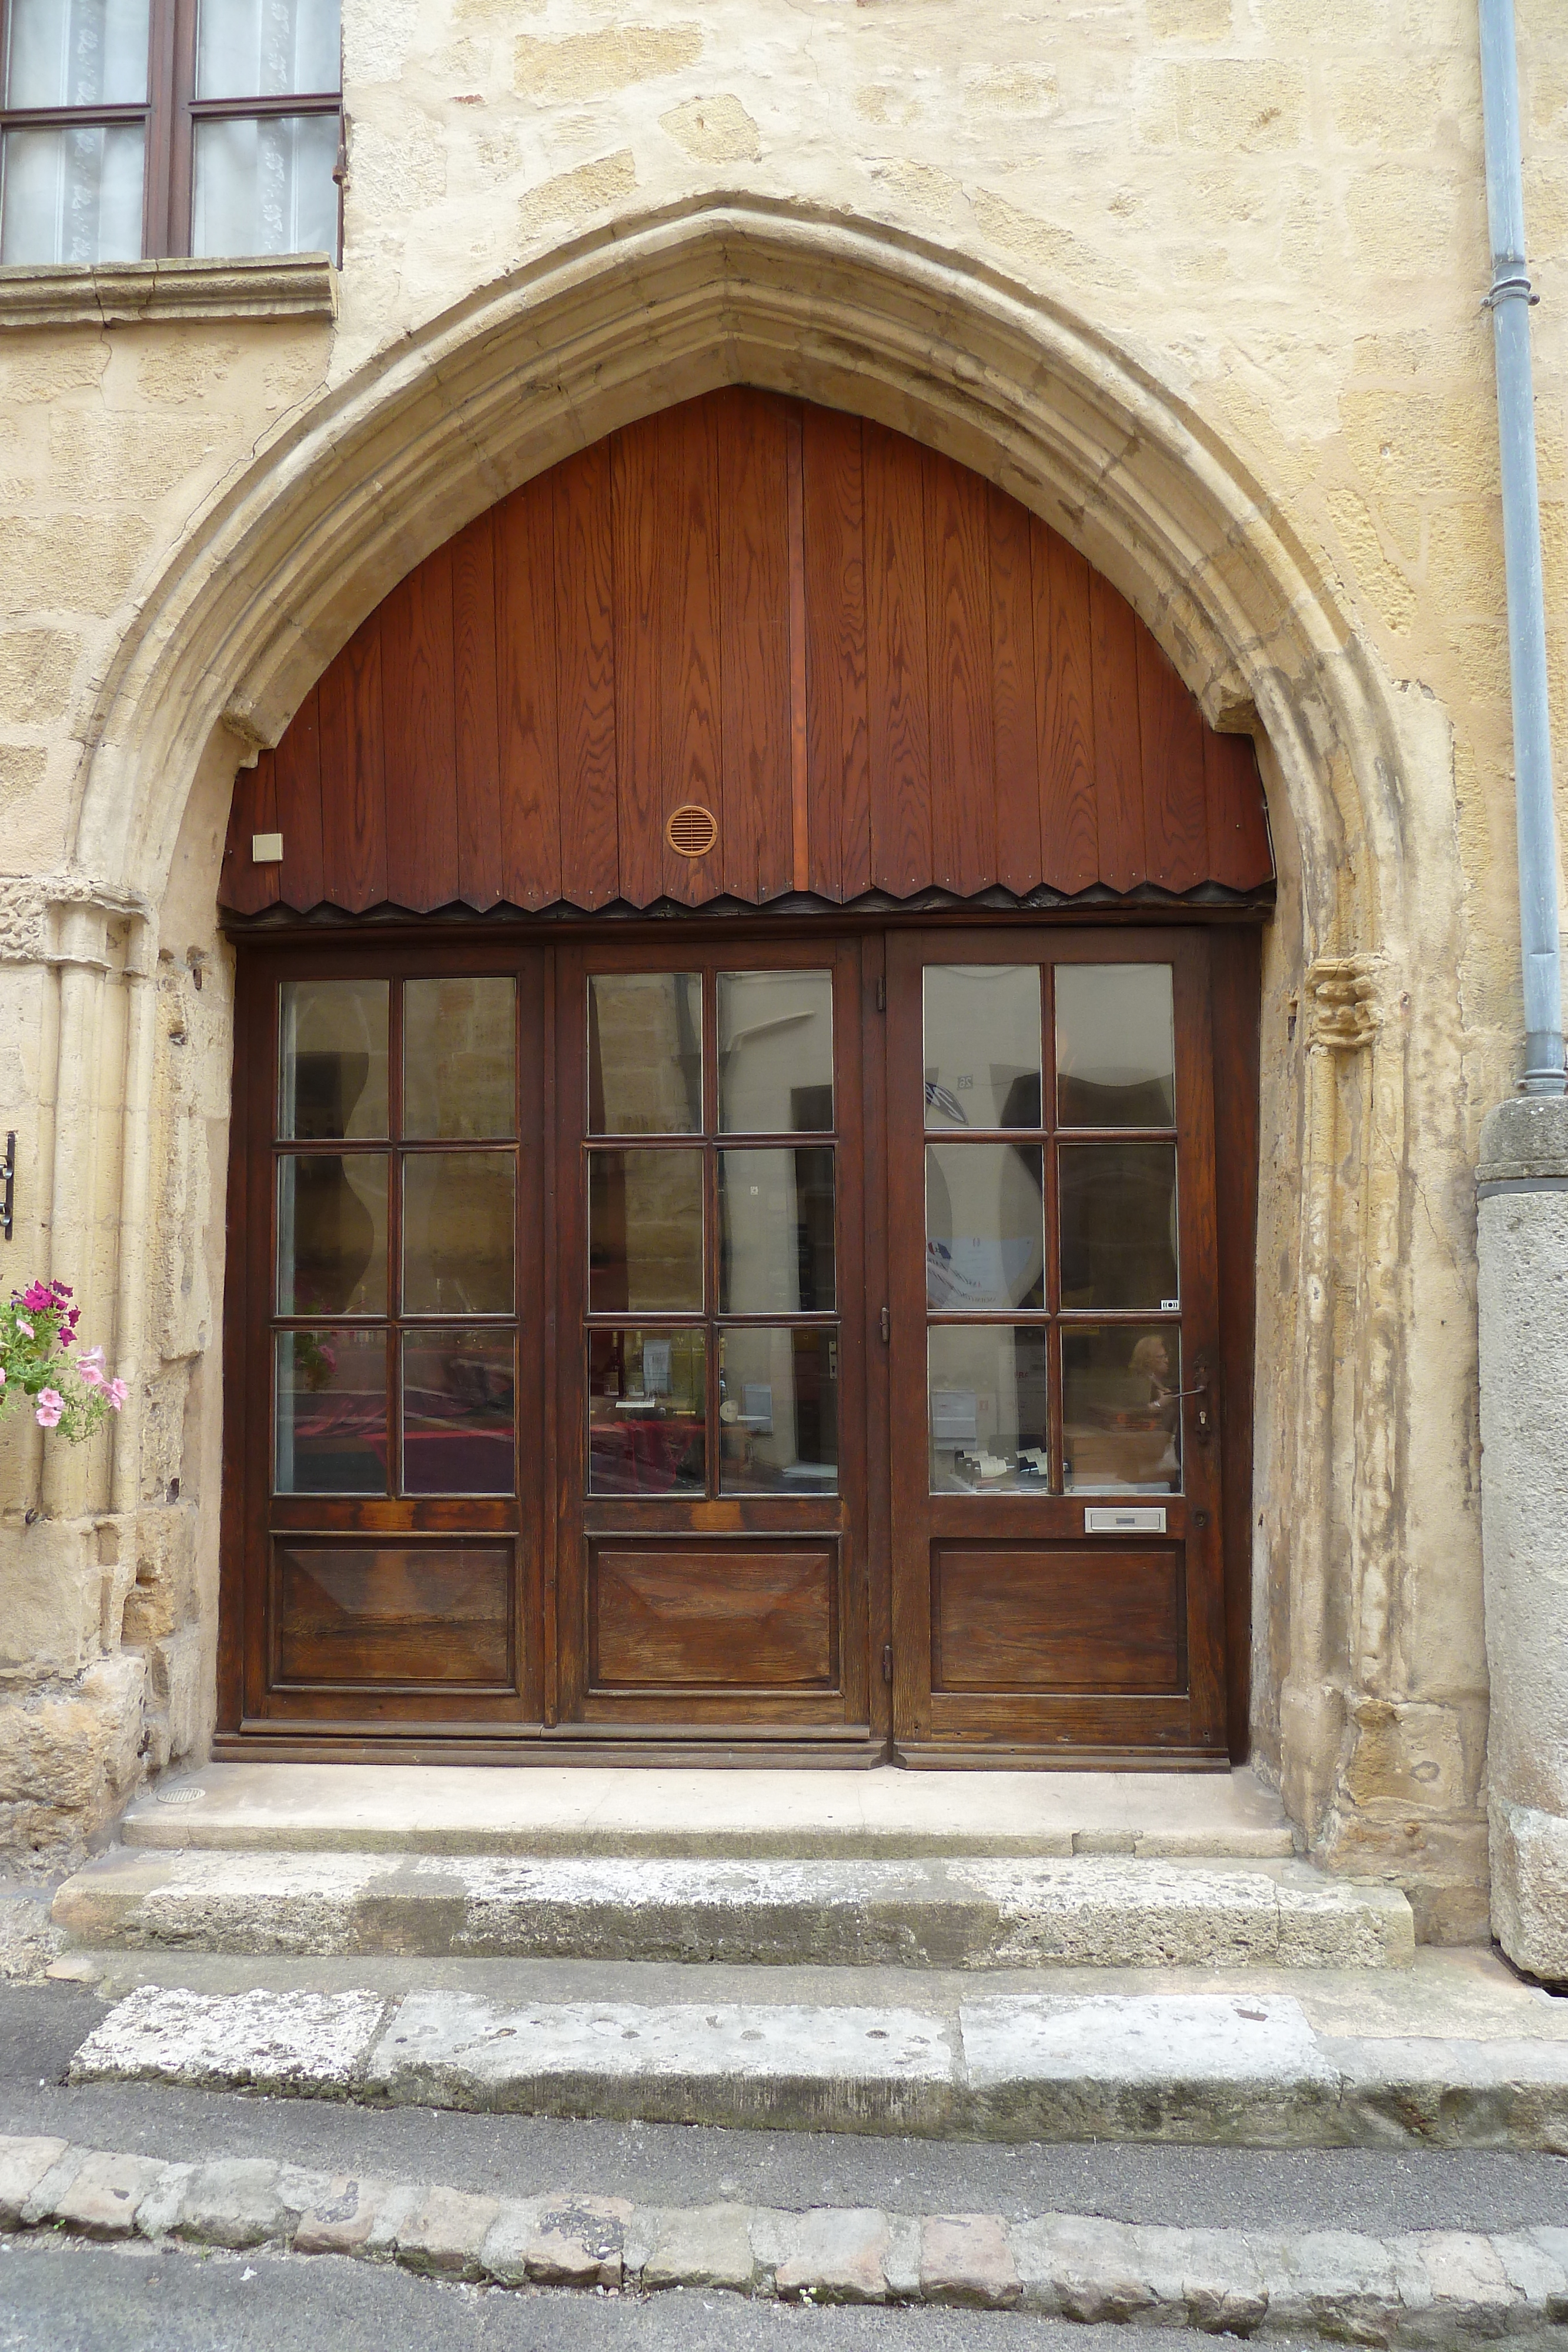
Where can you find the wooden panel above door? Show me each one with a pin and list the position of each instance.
(877, 672)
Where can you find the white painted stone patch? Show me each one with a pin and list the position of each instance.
(306, 2043)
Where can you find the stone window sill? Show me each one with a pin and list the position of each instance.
(118, 293)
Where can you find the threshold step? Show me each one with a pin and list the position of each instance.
(540, 1809)
(1222, 2068)
(980, 1913)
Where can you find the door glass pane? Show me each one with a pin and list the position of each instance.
(982, 1045)
(459, 1051)
(774, 1053)
(985, 1226)
(72, 195)
(458, 1223)
(990, 1425)
(1119, 1225)
(332, 1416)
(1120, 1415)
(645, 1052)
(776, 1232)
(332, 1057)
(647, 1412)
(458, 1413)
(77, 53)
(644, 1232)
(266, 186)
(267, 48)
(332, 1234)
(1115, 1044)
(777, 1412)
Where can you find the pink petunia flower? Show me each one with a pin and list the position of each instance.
(67, 1339)
(2, 1376)
(51, 1404)
(117, 1393)
(38, 1297)
(92, 1377)
(93, 1356)
(25, 1327)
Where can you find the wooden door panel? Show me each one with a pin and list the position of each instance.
(1022, 1618)
(680, 1616)
(353, 1614)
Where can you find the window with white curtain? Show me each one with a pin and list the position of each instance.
(135, 128)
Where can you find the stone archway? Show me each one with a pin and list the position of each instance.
(1368, 1684)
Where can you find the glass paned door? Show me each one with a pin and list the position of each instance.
(1057, 1572)
(711, 1539)
(389, 1446)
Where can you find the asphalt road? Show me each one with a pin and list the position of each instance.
(72, 2298)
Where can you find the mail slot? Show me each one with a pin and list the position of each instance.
(1125, 1519)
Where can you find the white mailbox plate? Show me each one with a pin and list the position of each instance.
(1125, 1519)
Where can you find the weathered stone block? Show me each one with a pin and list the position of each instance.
(70, 1757)
(24, 2163)
(102, 2201)
(1086, 2270)
(966, 2258)
(447, 2231)
(561, 2241)
(716, 129)
(83, 563)
(705, 2246)
(586, 65)
(50, 1591)
(340, 2221)
(834, 2256)
(235, 2202)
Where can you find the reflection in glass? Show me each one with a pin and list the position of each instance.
(77, 53)
(644, 1053)
(1115, 1044)
(73, 194)
(644, 1232)
(332, 1057)
(985, 1226)
(982, 1045)
(647, 1412)
(267, 48)
(330, 1431)
(1118, 1211)
(459, 1413)
(393, 1613)
(457, 1233)
(459, 1047)
(266, 186)
(1121, 1409)
(989, 1424)
(774, 1053)
(777, 1412)
(776, 1232)
(332, 1234)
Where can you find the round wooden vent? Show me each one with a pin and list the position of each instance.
(692, 829)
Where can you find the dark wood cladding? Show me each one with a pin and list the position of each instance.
(877, 670)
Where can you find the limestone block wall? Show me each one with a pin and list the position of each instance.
(1259, 224)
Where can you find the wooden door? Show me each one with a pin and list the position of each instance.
(384, 1366)
(712, 1521)
(1058, 1580)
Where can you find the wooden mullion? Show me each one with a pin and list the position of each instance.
(72, 117)
(258, 108)
(180, 85)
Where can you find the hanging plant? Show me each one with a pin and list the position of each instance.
(68, 1392)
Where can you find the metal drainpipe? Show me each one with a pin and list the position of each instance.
(1510, 301)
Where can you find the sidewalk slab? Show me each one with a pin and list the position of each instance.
(1107, 1911)
(1211, 2068)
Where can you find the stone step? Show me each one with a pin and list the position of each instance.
(979, 1912)
(540, 1809)
(1238, 2068)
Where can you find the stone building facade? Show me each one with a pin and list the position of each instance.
(1198, 282)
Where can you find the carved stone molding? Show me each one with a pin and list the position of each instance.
(1343, 1014)
(120, 293)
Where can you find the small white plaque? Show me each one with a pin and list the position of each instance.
(267, 849)
(1170, 1307)
(1125, 1519)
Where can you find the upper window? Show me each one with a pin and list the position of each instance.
(136, 128)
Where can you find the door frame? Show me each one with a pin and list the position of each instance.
(1233, 935)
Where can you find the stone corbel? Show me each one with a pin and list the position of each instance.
(1342, 1010)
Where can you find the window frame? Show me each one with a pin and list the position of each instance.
(168, 115)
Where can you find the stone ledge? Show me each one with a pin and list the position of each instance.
(120, 293)
(1422, 2288)
(1525, 1137)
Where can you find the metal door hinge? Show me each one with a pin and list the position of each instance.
(886, 1325)
(881, 992)
(887, 1662)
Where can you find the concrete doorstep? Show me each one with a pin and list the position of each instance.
(1200, 2068)
(1436, 2288)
